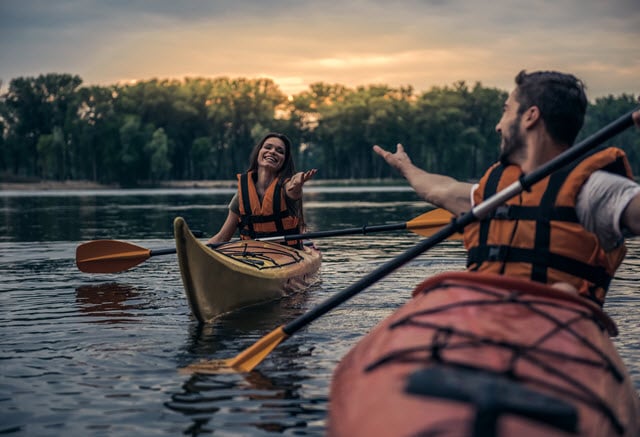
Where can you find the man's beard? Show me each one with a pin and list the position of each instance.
(512, 143)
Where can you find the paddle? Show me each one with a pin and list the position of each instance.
(112, 256)
(251, 357)
(426, 224)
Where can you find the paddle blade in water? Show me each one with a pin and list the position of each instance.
(245, 361)
(109, 256)
(431, 222)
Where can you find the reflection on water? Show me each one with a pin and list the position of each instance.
(100, 354)
(245, 403)
(206, 339)
(109, 302)
(267, 403)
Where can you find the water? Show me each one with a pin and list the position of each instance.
(100, 354)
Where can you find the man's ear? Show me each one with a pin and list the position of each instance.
(531, 116)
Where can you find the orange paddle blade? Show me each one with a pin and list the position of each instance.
(246, 360)
(431, 222)
(109, 256)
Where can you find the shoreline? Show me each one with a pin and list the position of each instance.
(89, 185)
(53, 185)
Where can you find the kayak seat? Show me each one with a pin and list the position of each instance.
(493, 395)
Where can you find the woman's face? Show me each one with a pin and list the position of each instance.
(272, 154)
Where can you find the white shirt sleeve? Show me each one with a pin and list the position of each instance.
(474, 187)
(600, 204)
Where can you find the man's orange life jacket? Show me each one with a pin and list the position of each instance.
(537, 235)
(268, 218)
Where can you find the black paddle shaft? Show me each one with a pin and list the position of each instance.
(457, 225)
(366, 229)
(167, 251)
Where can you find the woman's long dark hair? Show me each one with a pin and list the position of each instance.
(287, 170)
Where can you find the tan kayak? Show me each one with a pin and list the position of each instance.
(239, 273)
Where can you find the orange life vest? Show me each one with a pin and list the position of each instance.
(268, 218)
(537, 235)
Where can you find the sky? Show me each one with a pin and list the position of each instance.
(418, 43)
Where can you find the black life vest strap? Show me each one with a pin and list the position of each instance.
(491, 187)
(543, 258)
(266, 218)
(277, 206)
(518, 212)
(246, 224)
(542, 242)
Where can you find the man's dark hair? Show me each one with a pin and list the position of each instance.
(561, 99)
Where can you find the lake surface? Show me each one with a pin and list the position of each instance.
(92, 355)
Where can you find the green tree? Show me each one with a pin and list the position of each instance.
(454, 129)
(607, 109)
(158, 151)
(201, 155)
(134, 137)
(51, 155)
(308, 110)
(96, 135)
(33, 107)
(205, 128)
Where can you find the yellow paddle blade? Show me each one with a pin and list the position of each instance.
(245, 361)
(431, 222)
(109, 256)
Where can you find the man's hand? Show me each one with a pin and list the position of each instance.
(399, 160)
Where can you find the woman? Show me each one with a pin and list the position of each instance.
(269, 197)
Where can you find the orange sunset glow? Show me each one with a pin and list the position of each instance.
(407, 43)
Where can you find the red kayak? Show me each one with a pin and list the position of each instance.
(485, 355)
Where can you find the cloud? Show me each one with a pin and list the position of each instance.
(419, 43)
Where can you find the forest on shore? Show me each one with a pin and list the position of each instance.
(145, 133)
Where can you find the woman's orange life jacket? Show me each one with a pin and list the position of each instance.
(268, 218)
(537, 235)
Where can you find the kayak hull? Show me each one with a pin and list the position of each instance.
(241, 273)
(482, 355)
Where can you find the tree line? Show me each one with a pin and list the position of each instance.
(54, 128)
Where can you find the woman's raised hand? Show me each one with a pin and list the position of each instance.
(294, 186)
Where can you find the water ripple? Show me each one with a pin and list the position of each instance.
(99, 354)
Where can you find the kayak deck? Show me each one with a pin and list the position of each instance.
(474, 354)
(239, 273)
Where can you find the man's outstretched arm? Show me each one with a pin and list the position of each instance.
(440, 190)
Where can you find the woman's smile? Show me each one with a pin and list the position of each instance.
(272, 153)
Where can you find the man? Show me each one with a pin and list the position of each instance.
(569, 228)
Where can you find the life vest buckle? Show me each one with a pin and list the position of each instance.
(496, 253)
(502, 212)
